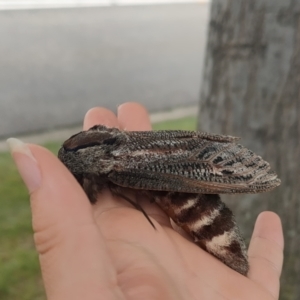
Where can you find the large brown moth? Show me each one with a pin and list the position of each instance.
(182, 171)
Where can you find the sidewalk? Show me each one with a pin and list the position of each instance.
(52, 4)
(61, 135)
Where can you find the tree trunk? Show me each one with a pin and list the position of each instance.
(251, 89)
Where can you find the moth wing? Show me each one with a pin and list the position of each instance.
(196, 167)
(136, 179)
(171, 135)
(190, 162)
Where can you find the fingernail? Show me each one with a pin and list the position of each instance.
(26, 164)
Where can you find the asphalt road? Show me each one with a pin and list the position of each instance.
(56, 64)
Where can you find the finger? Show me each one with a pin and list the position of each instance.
(106, 201)
(74, 260)
(266, 252)
(99, 115)
(133, 116)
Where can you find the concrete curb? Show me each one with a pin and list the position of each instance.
(59, 4)
(63, 134)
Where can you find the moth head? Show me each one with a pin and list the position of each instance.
(89, 152)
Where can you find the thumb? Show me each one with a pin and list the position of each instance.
(74, 259)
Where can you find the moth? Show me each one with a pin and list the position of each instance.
(182, 171)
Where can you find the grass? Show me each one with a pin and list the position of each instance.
(20, 276)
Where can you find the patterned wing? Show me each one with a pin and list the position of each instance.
(191, 162)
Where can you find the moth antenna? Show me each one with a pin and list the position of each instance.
(137, 206)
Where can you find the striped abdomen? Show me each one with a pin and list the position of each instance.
(211, 224)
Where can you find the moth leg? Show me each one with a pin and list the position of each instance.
(92, 185)
(211, 224)
(121, 192)
(89, 187)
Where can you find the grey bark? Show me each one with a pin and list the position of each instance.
(251, 89)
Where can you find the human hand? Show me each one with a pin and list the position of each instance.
(110, 251)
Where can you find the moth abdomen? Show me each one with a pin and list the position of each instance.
(211, 224)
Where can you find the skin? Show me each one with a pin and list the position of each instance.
(109, 251)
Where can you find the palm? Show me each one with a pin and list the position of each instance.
(161, 263)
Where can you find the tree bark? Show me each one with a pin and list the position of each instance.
(251, 89)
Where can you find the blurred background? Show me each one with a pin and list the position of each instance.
(60, 58)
